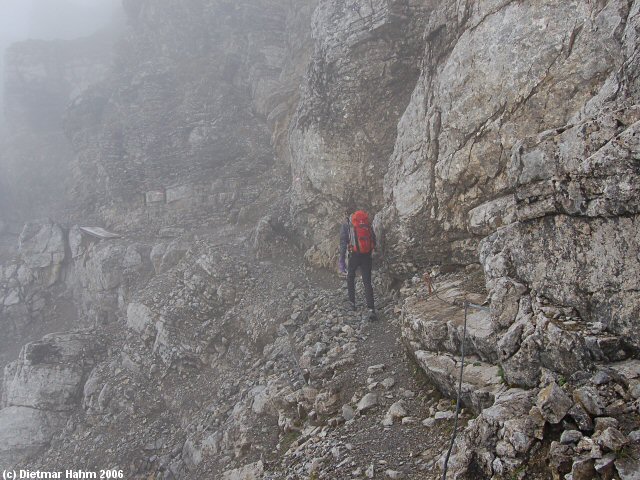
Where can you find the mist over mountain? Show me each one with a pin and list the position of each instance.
(172, 204)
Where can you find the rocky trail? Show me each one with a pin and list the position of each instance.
(389, 424)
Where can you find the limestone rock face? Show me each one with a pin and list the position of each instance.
(363, 68)
(42, 248)
(33, 297)
(40, 388)
(485, 89)
(25, 432)
(104, 276)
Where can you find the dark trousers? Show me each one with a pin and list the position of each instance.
(364, 262)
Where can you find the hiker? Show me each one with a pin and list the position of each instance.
(357, 236)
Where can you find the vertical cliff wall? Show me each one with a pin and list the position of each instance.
(365, 63)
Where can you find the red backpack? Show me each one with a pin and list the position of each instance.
(360, 235)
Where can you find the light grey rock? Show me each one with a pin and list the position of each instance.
(25, 432)
(444, 415)
(480, 383)
(601, 378)
(520, 433)
(42, 248)
(49, 373)
(253, 471)
(139, 317)
(397, 410)
(429, 422)
(554, 403)
(388, 383)
(375, 369)
(394, 474)
(328, 403)
(366, 403)
(370, 471)
(166, 255)
(348, 413)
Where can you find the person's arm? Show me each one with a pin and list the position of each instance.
(344, 240)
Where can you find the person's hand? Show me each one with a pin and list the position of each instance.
(342, 268)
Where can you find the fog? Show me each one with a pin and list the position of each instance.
(51, 19)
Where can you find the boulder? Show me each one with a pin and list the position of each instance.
(554, 403)
(42, 249)
(589, 398)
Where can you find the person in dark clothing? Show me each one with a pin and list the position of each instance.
(351, 240)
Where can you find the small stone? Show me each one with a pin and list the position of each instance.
(348, 413)
(409, 420)
(585, 444)
(370, 472)
(407, 393)
(367, 402)
(375, 369)
(429, 422)
(634, 436)
(388, 383)
(397, 410)
(601, 378)
(570, 436)
(444, 415)
(394, 474)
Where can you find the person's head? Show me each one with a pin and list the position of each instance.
(350, 207)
